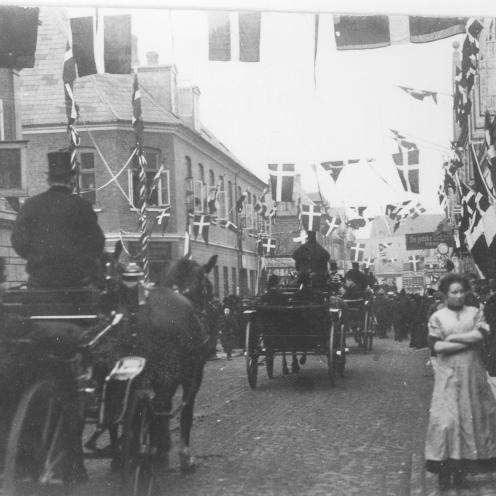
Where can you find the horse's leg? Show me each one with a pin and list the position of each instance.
(285, 370)
(295, 368)
(190, 389)
(160, 425)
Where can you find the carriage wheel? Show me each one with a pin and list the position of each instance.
(342, 360)
(331, 357)
(269, 363)
(36, 449)
(137, 448)
(251, 356)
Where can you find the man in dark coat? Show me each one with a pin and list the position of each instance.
(311, 258)
(356, 282)
(58, 233)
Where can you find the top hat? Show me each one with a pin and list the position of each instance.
(59, 164)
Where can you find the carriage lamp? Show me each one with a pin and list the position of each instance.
(338, 353)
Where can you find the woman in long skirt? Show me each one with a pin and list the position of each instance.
(461, 437)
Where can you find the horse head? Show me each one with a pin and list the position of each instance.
(190, 279)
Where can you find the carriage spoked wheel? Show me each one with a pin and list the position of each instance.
(331, 357)
(37, 449)
(269, 363)
(251, 355)
(138, 449)
(341, 362)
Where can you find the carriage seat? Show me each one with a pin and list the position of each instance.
(69, 302)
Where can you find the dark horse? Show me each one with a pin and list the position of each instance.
(170, 331)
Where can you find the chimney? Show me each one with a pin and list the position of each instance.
(151, 58)
(188, 106)
(160, 82)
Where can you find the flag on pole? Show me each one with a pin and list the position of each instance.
(260, 205)
(201, 225)
(331, 223)
(282, 181)
(443, 198)
(272, 214)
(384, 246)
(357, 252)
(482, 174)
(335, 167)
(367, 262)
(414, 262)
(419, 94)
(310, 217)
(269, 246)
(18, 36)
(96, 52)
(407, 165)
(163, 218)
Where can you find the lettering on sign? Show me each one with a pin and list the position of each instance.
(424, 241)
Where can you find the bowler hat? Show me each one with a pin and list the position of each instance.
(59, 164)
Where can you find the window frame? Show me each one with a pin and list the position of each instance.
(162, 185)
(86, 194)
(20, 145)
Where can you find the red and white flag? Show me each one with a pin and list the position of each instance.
(269, 246)
(310, 217)
(357, 252)
(282, 181)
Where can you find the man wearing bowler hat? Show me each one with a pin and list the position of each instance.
(58, 232)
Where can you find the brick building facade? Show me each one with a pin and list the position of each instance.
(195, 162)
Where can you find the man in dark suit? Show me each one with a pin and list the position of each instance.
(58, 233)
(312, 259)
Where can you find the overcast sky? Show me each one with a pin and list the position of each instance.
(271, 112)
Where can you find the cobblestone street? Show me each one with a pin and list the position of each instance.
(294, 435)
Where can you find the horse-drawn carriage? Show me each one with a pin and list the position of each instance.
(54, 358)
(294, 320)
(54, 384)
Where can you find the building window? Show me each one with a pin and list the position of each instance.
(234, 280)
(211, 178)
(160, 195)
(201, 172)
(189, 169)
(230, 201)
(199, 195)
(225, 274)
(13, 168)
(87, 181)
